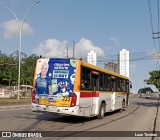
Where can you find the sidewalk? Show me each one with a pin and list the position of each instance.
(157, 127)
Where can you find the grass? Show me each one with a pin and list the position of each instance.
(14, 101)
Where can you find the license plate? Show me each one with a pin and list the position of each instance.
(52, 108)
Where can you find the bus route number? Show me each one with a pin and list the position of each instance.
(66, 99)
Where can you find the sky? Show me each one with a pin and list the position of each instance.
(105, 26)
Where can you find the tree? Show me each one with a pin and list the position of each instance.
(9, 68)
(28, 69)
(154, 79)
(145, 90)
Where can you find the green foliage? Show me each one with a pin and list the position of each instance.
(154, 79)
(9, 68)
(145, 90)
(23, 94)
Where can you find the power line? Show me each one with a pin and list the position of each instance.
(158, 13)
(155, 35)
(150, 15)
(138, 56)
(158, 33)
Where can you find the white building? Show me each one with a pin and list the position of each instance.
(124, 62)
(92, 58)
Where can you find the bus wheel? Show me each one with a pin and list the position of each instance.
(123, 105)
(101, 111)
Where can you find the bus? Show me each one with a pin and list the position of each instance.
(68, 86)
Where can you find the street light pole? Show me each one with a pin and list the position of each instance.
(20, 25)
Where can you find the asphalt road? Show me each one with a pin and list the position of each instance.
(141, 115)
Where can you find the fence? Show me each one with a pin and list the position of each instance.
(12, 91)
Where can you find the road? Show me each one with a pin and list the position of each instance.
(139, 116)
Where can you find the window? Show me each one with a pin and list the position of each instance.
(101, 79)
(107, 82)
(124, 85)
(121, 84)
(85, 78)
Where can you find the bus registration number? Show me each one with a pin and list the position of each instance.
(52, 108)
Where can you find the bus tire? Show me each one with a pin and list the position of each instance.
(123, 105)
(101, 111)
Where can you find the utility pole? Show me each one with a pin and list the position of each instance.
(67, 51)
(20, 26)
(156, 33)
(73, 48)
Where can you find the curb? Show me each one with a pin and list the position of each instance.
(15, 107)
(158, 117)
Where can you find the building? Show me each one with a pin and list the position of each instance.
(92, 58)
(123, 58)
(111, 66)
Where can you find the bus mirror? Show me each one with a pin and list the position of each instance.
(130, 85)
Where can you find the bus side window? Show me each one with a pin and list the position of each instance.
(118, 84)
(121, 84)
(85, 78)
(101, 79)
(107, 82)
(82, 84)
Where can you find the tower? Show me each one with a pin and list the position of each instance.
(124, 62)
(92, 58)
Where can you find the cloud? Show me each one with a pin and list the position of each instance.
(56, 48)
(11, 29)
(84, 46)
(51, 48)
(115, 40)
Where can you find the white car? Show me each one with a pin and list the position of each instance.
(148, 97)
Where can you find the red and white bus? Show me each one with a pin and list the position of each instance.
(73, 87)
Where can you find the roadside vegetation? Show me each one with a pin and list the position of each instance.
(154, 79)
(9, 68)
(14, 101)
(145, 90)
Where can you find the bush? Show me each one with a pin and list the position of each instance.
(23, 94)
